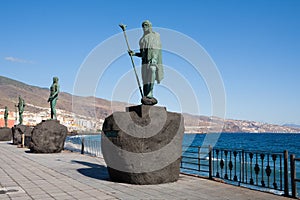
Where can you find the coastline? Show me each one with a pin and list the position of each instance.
(190, 132)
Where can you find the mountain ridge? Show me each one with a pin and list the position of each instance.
(292, 125)
(36, 98)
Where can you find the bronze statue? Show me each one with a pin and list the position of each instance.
(21, 106)
(152, 69)
(54, 90)
(5, 116)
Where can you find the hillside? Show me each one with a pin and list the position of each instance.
(97, 108)
(11, 89)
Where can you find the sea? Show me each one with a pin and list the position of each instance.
(268, 142)
(264, 142)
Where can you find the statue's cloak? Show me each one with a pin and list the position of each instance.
(150, 48)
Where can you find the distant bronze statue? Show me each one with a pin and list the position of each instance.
(5, 116)
(54, 90)
(152, 69)
(21, 106)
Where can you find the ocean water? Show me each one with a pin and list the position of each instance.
(268, 142)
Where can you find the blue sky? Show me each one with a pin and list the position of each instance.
(254, 44)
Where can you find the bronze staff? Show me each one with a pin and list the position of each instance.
(123, 27)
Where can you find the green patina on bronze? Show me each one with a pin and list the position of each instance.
(5, 116)
(54, 90)
(21, 106)
(151, 55)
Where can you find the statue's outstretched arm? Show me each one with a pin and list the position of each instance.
(132, 53)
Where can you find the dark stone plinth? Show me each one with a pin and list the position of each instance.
(5, 134)
(143, 145)
(17, 132)
(48, 137)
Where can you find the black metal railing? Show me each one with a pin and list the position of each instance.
(294, 178)
(246, 167)
(253, 169)
(90, 146)
(85, 146)
(197, 158)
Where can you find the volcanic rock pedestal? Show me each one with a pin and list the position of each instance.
(143, 145)
(5, 134)
(48, 137)
(17, 132)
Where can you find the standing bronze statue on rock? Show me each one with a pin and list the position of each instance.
(54, 90)
(5, 116)
(21, 106)
(152, 69)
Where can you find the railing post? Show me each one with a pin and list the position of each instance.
(199, 156)
(82, 145)
(181, 161)
(286, 174)
(217, 163)
(242, 167)
(293, 175)
(210, 162)
(23, 140)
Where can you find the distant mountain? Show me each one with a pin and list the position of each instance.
(11, 89)
(36, 99)
(292, 125)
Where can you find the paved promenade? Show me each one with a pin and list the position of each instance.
(68, 175)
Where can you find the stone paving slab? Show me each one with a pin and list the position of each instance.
(68, 175)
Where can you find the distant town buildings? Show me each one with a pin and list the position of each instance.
(74, 122)
(83, 124)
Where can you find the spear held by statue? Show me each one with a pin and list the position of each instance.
(123, 27)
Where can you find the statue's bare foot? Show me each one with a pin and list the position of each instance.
(148, 101)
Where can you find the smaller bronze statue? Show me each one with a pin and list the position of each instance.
(21, 106)
(54, 90)
(5, 116)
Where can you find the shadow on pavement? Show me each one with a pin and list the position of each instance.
(94, 171)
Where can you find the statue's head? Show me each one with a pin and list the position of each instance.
(5, 107)
(147, 26)
(55, 79)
